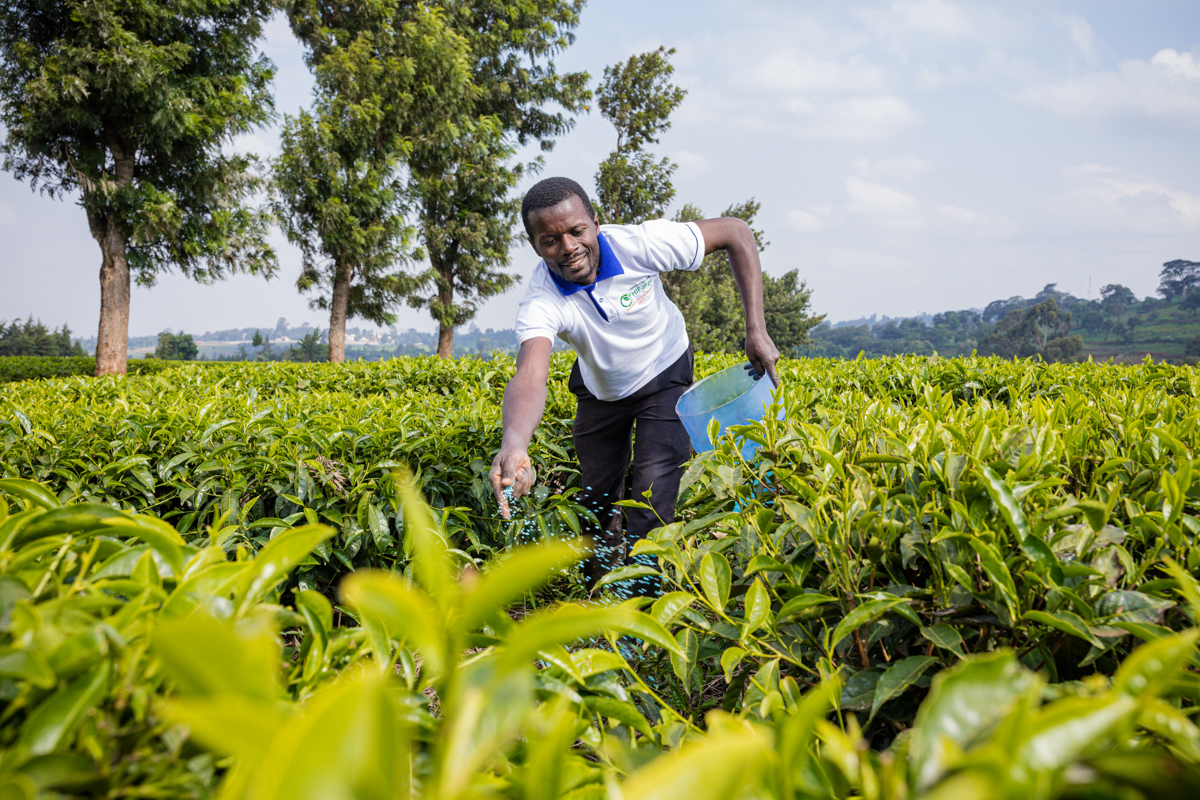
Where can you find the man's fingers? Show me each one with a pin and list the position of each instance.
(499, 491)
(523, 481)
(497, 478)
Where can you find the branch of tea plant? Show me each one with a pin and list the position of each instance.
(85, 564)
(53, 568)
(787, 655)
(645, 688)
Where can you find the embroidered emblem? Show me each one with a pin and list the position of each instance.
(639, 294)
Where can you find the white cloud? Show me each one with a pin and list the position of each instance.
(804, 221)
(937, 17)
(851, 118)
(932, 77)
(932, 16)
(914, 26)
(1168, 85)
(7, 216)
(956, 214)
(1109, 196)
(1182, 65)
(878, 200)
(1082, 36)
(899, 211)
(788, 71)
(898, 168)
(794, 80)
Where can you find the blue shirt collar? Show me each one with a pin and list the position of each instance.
(610, 267)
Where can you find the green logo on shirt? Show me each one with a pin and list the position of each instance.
(637, 293)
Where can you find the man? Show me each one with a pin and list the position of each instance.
(599, 290)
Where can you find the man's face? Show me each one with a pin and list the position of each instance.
(568, 239)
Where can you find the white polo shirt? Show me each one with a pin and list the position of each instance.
(623, 326)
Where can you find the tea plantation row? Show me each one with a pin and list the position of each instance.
(937, 577)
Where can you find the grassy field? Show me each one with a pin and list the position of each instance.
(1162, 333)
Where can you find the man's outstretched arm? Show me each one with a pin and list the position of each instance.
(524, 403)
(735, 237)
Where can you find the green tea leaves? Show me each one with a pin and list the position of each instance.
(898, 678)
(715, 577)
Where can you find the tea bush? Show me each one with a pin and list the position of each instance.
(915, 533)
(27, 368)
(898, 520)
(134, 665)
(231, 452)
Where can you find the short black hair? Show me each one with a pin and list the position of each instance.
(549, 192)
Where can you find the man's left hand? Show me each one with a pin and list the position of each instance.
(762, 355)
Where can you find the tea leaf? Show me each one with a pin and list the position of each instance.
(898, 678)
(862, 615)
(715, 578)
(1003, 497)
(945, 637)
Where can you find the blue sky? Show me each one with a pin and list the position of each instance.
(910, 156)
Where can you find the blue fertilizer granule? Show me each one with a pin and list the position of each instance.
(615, 594)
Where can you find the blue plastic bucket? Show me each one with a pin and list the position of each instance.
(731, 397)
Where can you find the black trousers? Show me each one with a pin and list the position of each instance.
(604, 441)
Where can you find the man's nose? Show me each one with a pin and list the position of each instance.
(569, 243)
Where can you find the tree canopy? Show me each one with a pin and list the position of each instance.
(1115, 298)
(1178, 277)
(462, 188)
(176, 347)
(638, 98)
(712, 308)
(387, 73)
(1043, 329)
(31, 338)
(132, 106)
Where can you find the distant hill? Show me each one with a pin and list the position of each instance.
(1120, 327)
(366, 343)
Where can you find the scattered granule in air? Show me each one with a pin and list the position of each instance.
(618, 592)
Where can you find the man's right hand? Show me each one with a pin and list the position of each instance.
(524, 401)
(511, 467)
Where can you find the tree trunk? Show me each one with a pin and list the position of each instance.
(445, 330)
(112, 339)
(338, 306)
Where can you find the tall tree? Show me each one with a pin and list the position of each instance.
(176, 347)
(712, 308)
(466, 217)
(637, 97)
(1178, 277)
(1043, 329)
(388, 74)
(462, 188)
(787, 303)
(129, 107)
(1116, 299)
(34, 339)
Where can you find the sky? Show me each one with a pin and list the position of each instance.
(910, 156)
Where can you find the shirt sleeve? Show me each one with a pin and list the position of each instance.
(673, 245)
(538, 316)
